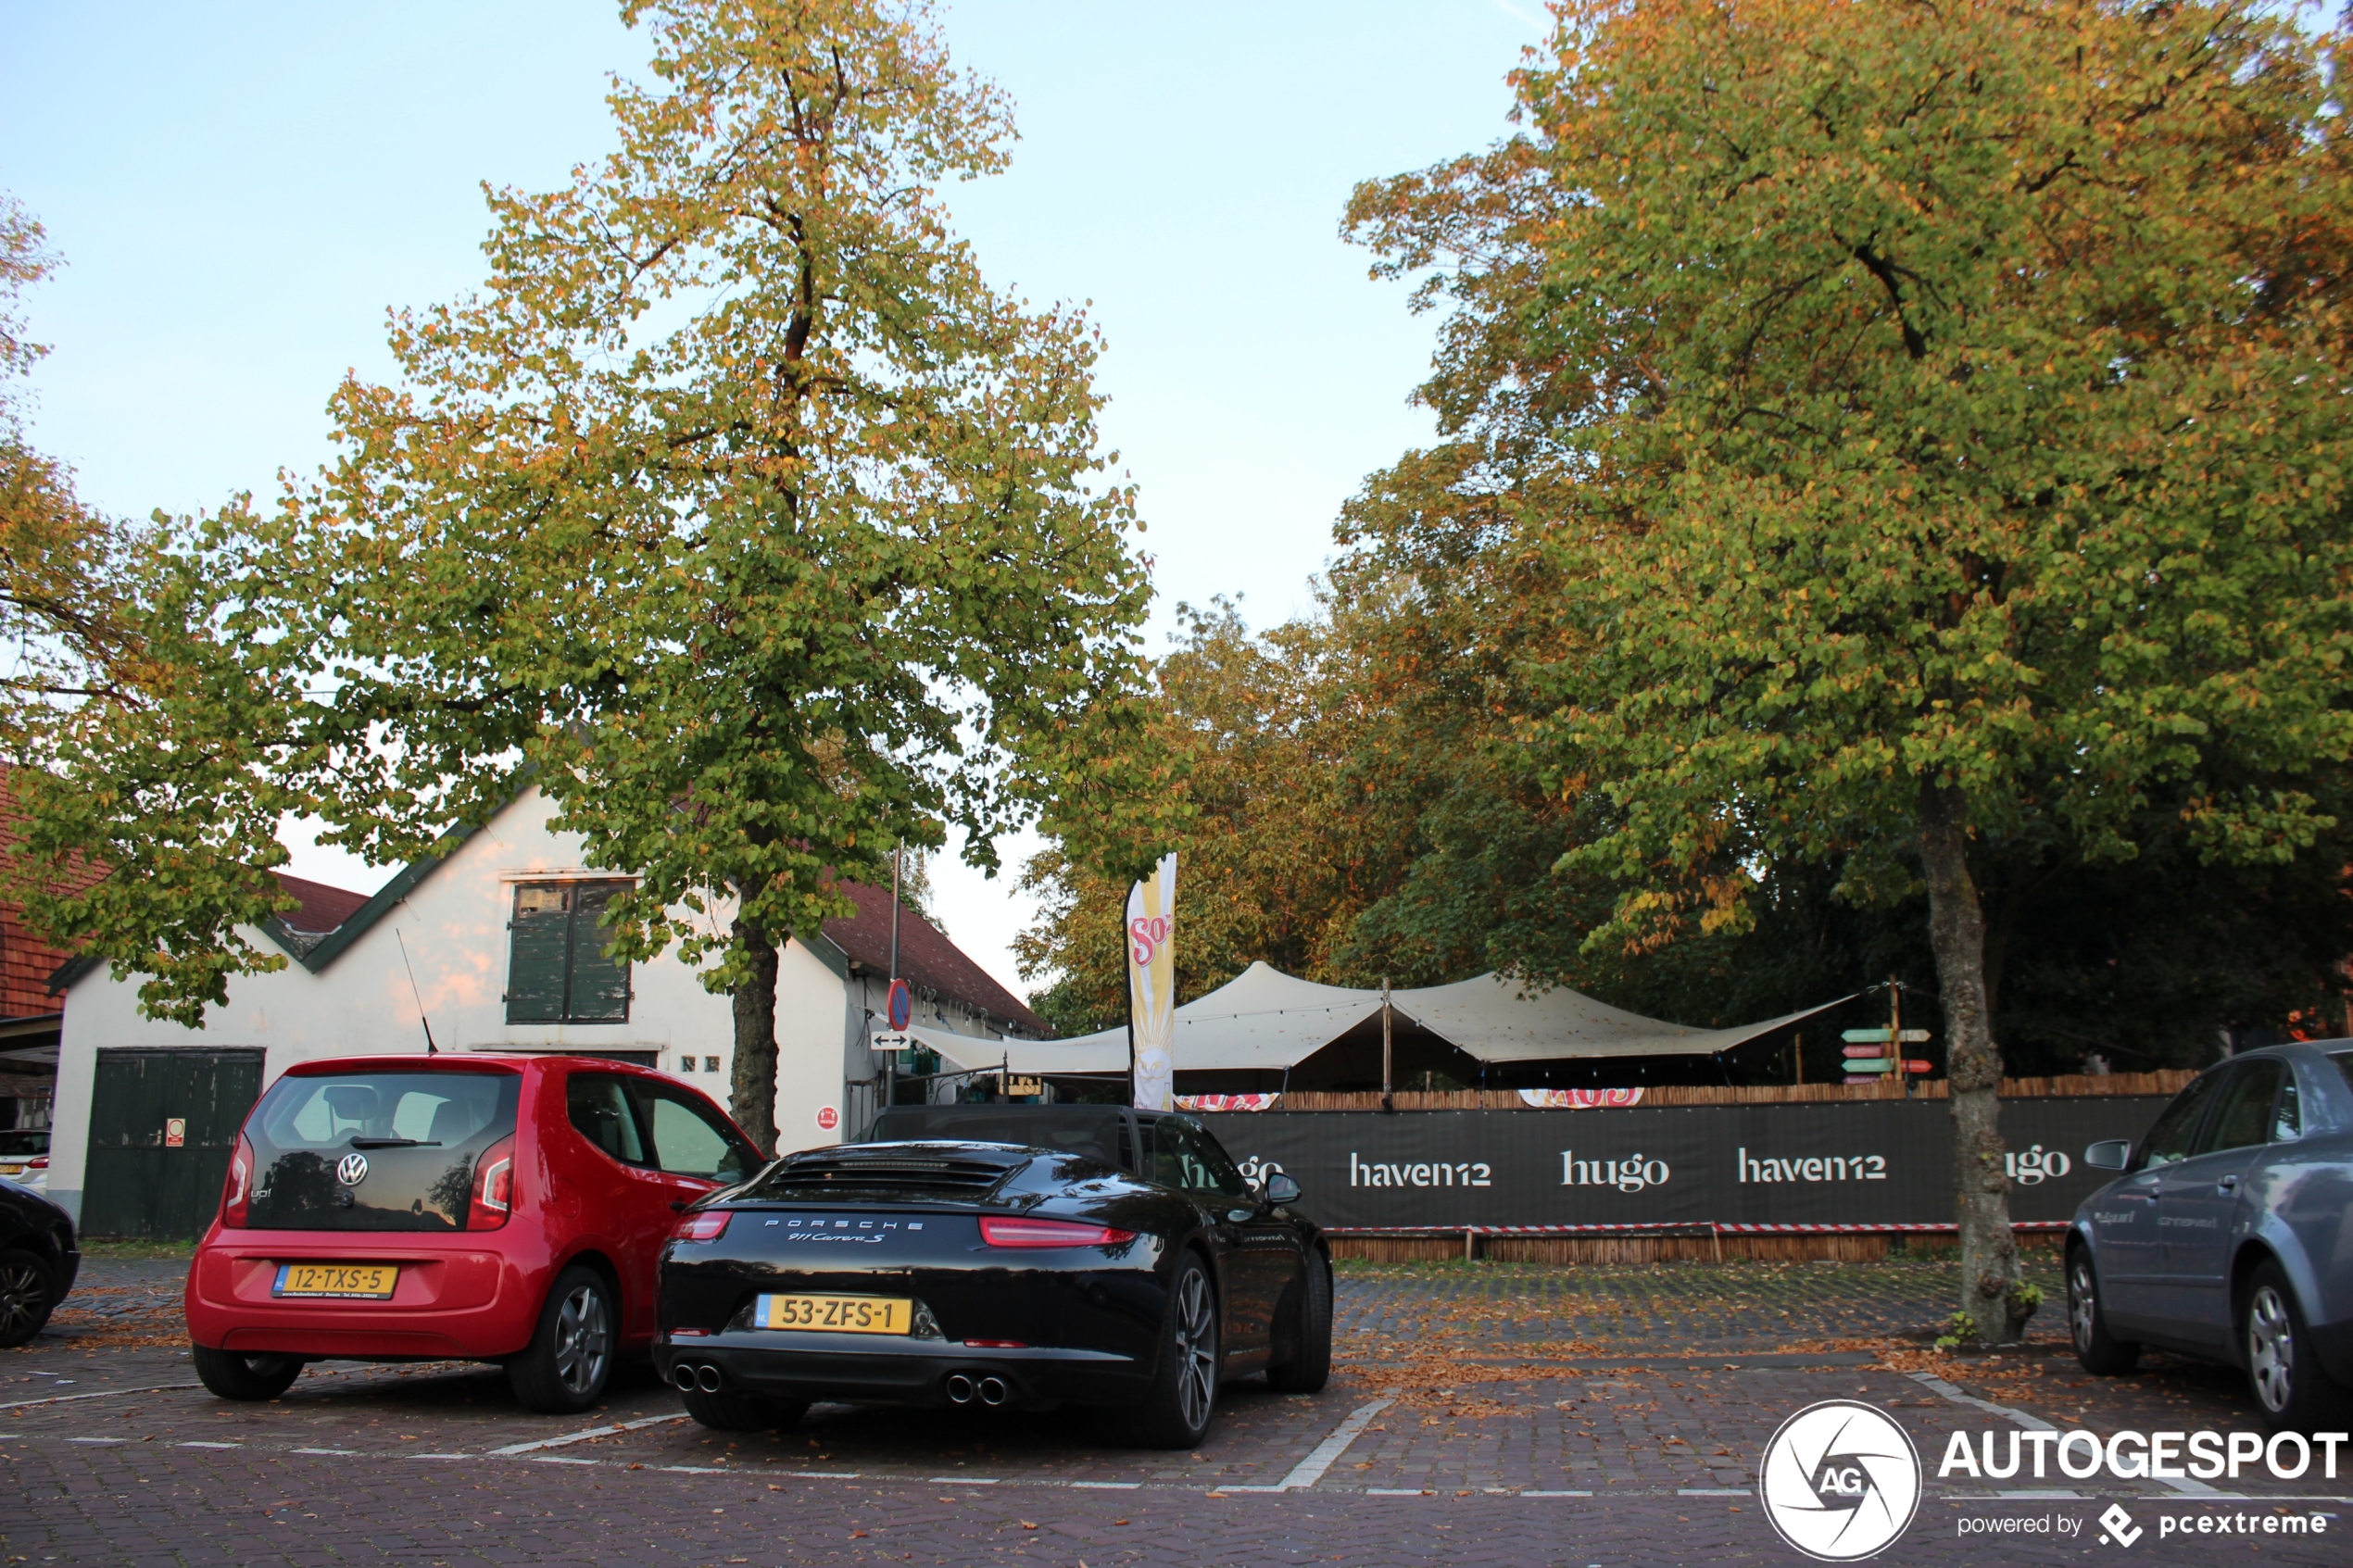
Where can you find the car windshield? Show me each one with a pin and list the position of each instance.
(1098, 1132)
(374, 1150)
(24, 1141)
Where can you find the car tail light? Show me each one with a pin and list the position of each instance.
(236, 1194)
(493, 1195)
(38, 1162)
(995, 1344)
(709, 1225)
(1000, 1230)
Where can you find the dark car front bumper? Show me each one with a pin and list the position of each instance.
(855, 1368)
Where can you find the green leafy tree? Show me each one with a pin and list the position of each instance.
(145, 722)
(737, 510)
(1962, 457)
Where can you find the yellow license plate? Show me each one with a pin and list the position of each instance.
(11, 1170)
(371, 1282)
(836, 1314)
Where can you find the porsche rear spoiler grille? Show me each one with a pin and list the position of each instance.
(893, 1174)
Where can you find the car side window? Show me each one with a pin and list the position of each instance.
(690, 1141)
(1185, 1157)
(599, 1109)
(2244, 1118)
(2168, 1143)
(2287, 1122)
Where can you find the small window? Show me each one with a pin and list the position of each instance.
(558, 970)
(2287, 1122)
(2244, 1119)
(1184, 1156)
(2169, 1142)
(599, 1109)
(690, 1141)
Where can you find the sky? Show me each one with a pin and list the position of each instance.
(240, 193)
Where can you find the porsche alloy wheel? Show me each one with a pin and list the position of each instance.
(1176, 1407)
(1196, 1347)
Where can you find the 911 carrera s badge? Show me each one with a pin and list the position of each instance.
(351, 1169)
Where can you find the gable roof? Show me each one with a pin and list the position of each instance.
(927, 960)
(330, 920)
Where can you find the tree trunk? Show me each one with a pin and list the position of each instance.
(1989, 1293)
(752, 1090)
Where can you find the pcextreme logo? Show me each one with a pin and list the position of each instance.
(1841, 1481)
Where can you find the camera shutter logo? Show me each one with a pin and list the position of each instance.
(1839, 1481)
(351, 1169)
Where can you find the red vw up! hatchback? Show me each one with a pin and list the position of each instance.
(502, 1209)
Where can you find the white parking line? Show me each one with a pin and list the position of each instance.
(960, 1480)
(513, 1448)
(93, 1439)
(207, 1445)
(339, 1453)
(1107, 1486)
(2183, 1485)
(1309, 1471)
(1394, 1491)
(1555, 1494)
(100, 1394)
(564, 1459)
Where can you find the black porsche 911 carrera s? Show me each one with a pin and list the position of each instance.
(1014, 1255)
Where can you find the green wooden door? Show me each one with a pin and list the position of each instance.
(145, 1177)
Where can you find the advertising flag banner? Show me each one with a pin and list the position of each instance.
(1152, 985)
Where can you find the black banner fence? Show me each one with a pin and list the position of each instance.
(1862, 1166)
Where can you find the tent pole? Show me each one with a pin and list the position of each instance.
(1388, 1098)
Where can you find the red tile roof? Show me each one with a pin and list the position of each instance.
(26, 961)
(323, 908)
(927, 960)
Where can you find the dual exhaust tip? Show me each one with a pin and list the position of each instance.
(689, 1378)
(962, 1389)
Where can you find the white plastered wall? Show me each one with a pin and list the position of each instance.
(454, 925)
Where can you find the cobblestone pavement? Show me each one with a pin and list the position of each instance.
(1479, 1413)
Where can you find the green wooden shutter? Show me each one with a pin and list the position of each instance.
(600, 984)
(539, 953)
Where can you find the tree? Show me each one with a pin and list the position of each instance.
(1962, 457)
(146, 722)
(737, 510)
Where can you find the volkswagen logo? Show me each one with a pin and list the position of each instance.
(351, 1169)
(1841, 1481)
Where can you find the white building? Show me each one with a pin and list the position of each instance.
(500, 936)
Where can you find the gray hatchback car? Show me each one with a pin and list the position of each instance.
(2230, 1234)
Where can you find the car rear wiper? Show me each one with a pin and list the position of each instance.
(392, 1143)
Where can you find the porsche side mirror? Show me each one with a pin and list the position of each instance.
(2108, 1154)
(1280, 1189)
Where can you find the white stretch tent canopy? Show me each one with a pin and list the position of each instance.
(1266, 1018)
